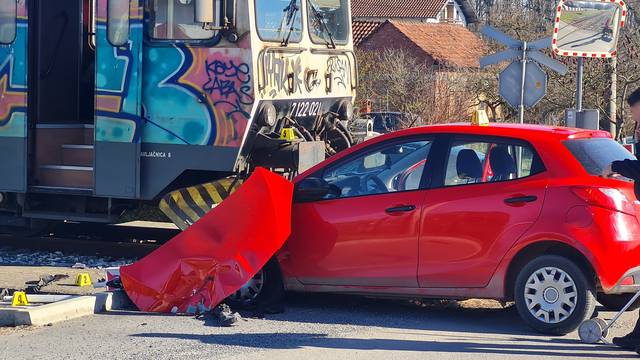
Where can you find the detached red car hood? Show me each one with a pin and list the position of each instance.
(217, 255)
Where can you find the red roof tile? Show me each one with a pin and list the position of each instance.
(396, 8)
(448, 44)
(362, 29)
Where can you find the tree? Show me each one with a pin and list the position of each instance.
(398, 82)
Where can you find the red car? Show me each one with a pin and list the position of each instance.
(504, 212)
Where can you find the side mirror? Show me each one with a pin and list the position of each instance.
(314, 189)
(205, 11)
(588, 28)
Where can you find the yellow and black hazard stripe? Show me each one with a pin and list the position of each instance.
(186, 206)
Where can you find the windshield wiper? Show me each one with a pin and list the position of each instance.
(291, 11)
(321, 20)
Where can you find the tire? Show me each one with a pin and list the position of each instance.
(270, 293)
(560, 294)
(617, 302)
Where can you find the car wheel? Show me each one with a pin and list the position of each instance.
(265, 288)
(617, 302)
(553, 295)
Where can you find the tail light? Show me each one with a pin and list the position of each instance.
(607, 198)
(628, 281)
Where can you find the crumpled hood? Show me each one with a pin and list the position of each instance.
(216, 256)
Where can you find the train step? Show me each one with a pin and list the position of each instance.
(66, 176)
(77, 155)
(95, 218)
(61, 190)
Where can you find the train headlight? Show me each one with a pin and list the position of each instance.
(268, 115)
(345, 110)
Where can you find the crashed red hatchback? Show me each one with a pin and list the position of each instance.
(458, 211)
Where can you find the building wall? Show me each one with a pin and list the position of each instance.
(458, 15)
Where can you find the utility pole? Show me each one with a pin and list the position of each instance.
(524, 78)
(613, 100)
(579, 81)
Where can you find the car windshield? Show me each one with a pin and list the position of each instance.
(329, 21)
(596, 155)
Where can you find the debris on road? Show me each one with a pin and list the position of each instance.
(34, 287)
(217, 255)
(225, 316)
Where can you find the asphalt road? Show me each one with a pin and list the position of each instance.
(313, 327)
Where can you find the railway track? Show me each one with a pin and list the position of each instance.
(105, 241)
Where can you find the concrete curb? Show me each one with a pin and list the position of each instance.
(64, 310)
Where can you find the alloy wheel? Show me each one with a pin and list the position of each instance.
(251, 290)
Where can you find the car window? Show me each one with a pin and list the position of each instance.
(390, 168)
(476, 162)
(596, 155)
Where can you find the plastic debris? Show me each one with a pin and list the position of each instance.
(216, 256)
(79, 266)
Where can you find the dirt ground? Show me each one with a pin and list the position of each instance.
(15, 277)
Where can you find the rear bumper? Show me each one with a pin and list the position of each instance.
(619, 288)
(613, 243)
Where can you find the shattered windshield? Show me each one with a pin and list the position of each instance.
(329, 21)
(279, 20)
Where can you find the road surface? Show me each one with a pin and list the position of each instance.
(313, 327)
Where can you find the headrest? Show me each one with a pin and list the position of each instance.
(469, 165)
(502, 163)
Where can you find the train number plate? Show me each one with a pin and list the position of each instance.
(305, 109)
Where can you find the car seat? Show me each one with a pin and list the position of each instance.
(469, 166)
(502, 163)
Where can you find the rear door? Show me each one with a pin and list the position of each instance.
(118, 44)
(491, 191)
(13, 95)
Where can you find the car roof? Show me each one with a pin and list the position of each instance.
(519, 131)
(530, 133)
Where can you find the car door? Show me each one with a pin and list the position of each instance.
(490, 192)
(367, 234)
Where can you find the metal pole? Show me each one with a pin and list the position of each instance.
(170, 19)
(613, 99)
(524, 79)
(579, 85)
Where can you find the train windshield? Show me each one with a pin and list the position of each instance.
(279, 20)
(329, 21)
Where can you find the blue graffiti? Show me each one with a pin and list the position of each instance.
(232, 82)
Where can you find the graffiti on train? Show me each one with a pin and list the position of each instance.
(13, 80)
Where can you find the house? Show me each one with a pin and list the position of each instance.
(368, 15)
(441, 45)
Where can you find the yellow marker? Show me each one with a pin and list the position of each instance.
(480, 118)
(19, 299)
(83, 280)
(288, 134)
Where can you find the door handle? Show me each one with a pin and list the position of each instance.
(520, 199)
(400, 209)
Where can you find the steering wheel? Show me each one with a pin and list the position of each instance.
(379, 186)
